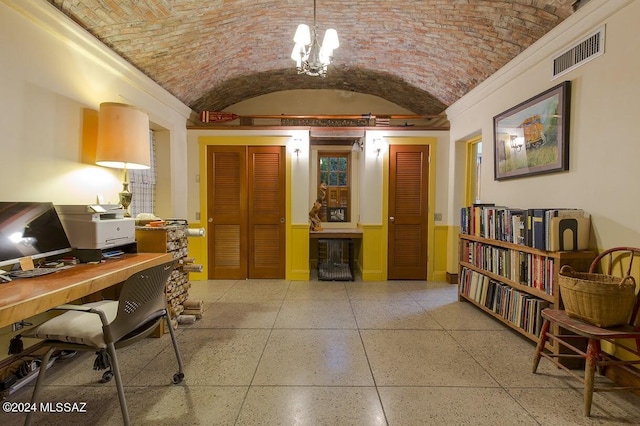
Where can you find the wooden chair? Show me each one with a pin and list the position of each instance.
(575, 331)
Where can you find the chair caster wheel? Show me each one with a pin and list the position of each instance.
(177, 378)
(106, 377)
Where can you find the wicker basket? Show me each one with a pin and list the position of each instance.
(601, 300)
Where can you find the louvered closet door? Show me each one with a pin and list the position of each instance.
(266, 212)
(408, 210)
(227, 212)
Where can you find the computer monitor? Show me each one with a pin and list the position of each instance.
(30, 229)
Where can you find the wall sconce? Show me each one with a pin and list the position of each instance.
(378, 145)
(357, 145)
(123, 142)
(296, 146)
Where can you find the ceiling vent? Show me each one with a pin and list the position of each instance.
(585, 50)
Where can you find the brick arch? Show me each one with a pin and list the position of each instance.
(360, 80)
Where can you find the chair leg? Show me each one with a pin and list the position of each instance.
(39, 381)
(593, 352)
(116, 372)
(177, 378)
(540, 346)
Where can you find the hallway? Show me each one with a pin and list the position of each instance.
(332, 353)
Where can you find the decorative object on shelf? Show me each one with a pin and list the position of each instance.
(533, 137)
(315, 223)
(123, 142)
(311, 58)
(598, 299)
(217, 116)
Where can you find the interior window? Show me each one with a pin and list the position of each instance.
(334, 171)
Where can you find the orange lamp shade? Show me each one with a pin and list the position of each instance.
(123, 137)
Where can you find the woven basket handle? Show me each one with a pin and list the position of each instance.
(567, 270)
(628, 277)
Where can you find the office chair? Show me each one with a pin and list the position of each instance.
(111, 324)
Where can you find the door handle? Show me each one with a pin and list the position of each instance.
(392, 219)
(282, 220)
(210, 220)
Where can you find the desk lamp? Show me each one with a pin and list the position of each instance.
(123, 142)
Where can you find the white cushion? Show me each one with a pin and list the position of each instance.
(78, 327)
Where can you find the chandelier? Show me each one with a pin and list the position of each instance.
(311, 58)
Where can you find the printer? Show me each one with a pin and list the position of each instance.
(96, 226)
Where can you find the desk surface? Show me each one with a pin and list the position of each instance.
(25, 297)
(342, 233)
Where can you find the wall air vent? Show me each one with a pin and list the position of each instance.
(585, 50)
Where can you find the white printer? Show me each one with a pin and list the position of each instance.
(96, 226)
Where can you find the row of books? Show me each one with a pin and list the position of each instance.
(532, 270)
(516, 307)
(544, 229)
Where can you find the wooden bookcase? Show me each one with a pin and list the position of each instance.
(513, 282)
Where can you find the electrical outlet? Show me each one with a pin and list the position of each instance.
(437, 216)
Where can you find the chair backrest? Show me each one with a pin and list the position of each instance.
(141, 300)
(619, 261)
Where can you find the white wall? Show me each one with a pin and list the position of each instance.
(52, 72)
(604, 146)
(369, 165)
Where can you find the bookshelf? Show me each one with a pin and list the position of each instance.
(513, 282)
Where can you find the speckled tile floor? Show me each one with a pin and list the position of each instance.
(276, 352)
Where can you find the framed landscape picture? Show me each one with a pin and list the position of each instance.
(533, 137)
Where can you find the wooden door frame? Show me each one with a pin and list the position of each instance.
(431, 142)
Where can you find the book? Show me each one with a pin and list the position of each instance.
(538, 229)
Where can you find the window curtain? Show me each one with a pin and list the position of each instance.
(142, 184)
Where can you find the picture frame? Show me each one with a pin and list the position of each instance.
(532, 138)
(337, 214)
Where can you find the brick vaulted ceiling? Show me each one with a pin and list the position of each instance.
(420, 54)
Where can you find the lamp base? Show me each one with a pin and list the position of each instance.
(125, 198)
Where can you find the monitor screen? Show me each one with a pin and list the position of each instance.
(30, 229)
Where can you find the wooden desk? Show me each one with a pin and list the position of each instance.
(25, 297)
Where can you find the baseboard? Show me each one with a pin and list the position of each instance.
(452, 278)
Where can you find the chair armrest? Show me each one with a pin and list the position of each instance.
(81, 308)
(68, 307)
